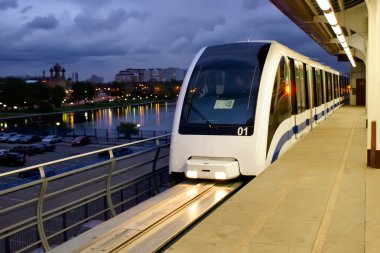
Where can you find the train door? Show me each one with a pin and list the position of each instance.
(299, 99)
(306, 88)
(280, 109)
(339, 91)
(323, 89)
(336, 92)
(318, 96)
(333, 91)
(310, 94)
(329, 90)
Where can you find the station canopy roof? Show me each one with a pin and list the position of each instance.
(351, 15)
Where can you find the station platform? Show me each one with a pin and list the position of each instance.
(318, 197)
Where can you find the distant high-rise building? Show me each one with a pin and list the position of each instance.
(151, 74)
(176, 74)
(74, 77)
(130, 75)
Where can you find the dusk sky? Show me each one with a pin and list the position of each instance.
(103, 37)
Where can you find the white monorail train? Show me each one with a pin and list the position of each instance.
(243, 105)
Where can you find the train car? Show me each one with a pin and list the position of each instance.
(242, 105)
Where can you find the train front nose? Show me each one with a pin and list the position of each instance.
(212, 168)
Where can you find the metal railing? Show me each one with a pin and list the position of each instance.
(91, 186)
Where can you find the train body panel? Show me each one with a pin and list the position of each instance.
(243, 105)
(220, 149)
(329, 108)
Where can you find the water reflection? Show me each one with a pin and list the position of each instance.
(149, 116)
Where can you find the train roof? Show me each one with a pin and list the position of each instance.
(293, 54)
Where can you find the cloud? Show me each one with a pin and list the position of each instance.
(5, 4)
(104, 36)
(190, 23)
(44, 23)
(113, 20)
(189, 34)
(179, 44)
(26, 9)
(252, 4)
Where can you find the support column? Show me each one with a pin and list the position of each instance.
(373, 84)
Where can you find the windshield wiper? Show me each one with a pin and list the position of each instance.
(209, 124)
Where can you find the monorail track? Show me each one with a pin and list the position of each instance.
(151, 225)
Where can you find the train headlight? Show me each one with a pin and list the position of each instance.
(220, 175)
(191, 174)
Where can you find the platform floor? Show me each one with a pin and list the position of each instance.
(318, 197)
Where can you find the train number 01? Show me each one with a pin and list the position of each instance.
(242, 131)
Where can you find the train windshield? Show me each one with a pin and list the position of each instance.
(222, 91)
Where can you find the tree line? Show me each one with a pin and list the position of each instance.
(16, 93)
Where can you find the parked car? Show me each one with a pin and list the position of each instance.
(11, 158)
(117, 152)
(38, 148)
(52, 139)
(48, 147)
(36, 173)
(30, 139)
(15, 138)
(6, 136)
(23, 149)
(81, 140)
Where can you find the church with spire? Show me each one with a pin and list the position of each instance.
(58, 77)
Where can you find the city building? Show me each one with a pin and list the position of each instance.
(130, 75)
(151, 74)
(176, 74)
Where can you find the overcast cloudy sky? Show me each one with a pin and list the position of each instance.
(104, 36)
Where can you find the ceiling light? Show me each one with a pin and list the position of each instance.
(344, 44)
(324, 4)
(341, 38)
(330, 16)
(336, 29)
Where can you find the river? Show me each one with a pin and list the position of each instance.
(150, 117)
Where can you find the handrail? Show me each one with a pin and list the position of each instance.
(39, 211)
(109, 178)
(81, 155)
(40, 218)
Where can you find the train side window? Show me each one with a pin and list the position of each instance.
(293, 88)
(341, 86)
(336, 88)
(306, 89)
(328, 86)
(300, 88)
(333, 86)
(281, 107)
(315, 97)
(318, 89)
(322, 88)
